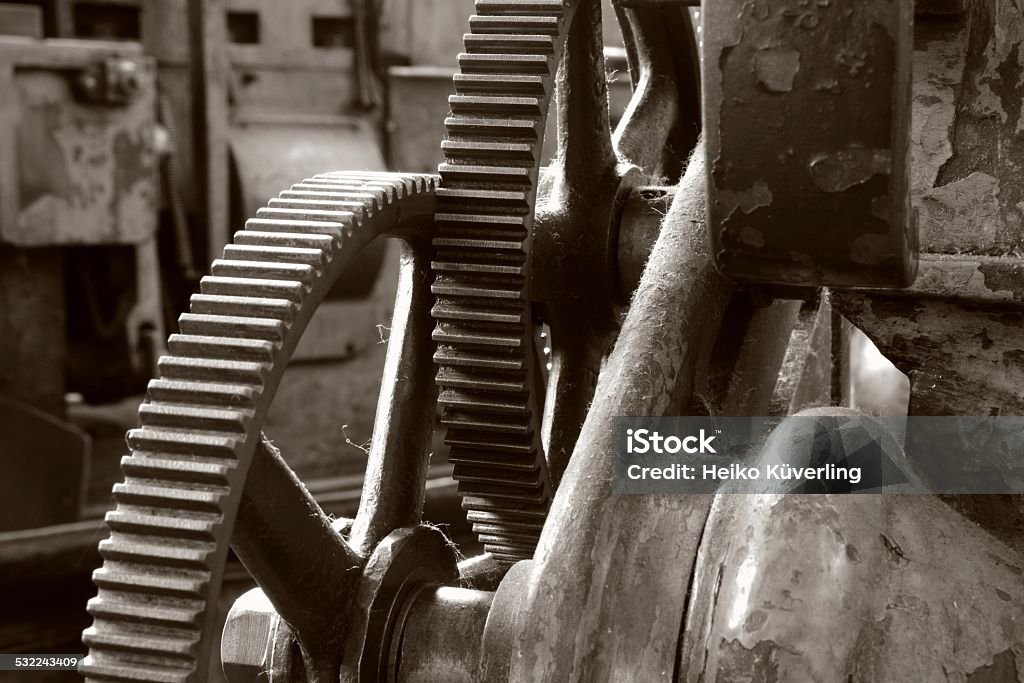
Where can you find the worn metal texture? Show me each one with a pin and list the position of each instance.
(968, 146)
(956, 334)
(807, 114)
(805, 380)
(851, 588)
(77, 166)
(626, 560)
(398, 567)
(201, 422)
(962, 358)
(443, 634)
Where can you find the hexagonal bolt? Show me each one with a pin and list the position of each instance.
(245, 642)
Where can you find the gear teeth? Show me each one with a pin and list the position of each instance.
(261, 270)
(468, 290)
(152, 523)
(203, 346)
(251, 307)
(141, 641)
(499, 83)
(159, 550)
(247, 286)
(284, 239)
(245, 252)
(475, 424)
(463, 149)
(103, 665)
(211, 369)
(449, 357)
(478, 268)
(165, 612)
(372, 202)
(211, 445)
(512, 246)
(450, 378)
(164, 495)
(482, 104)
(524, 43)
(490, 523)
(494, 63)
(446, 335)
(515, 7)
(219, 394)
(502, 127)
(191, 417)
(384, 193)
(449, 312)
(483, 322)
(147, 579)
(189, 457)
(461, 400)
(547, 25)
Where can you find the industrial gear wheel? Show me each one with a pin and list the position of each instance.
(491, 372)
(201, 421)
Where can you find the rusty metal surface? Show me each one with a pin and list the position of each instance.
(805, 380)
(78, 167)
(808, 118)
(442, 637)
(626, 560)
(956, 332)
(837, 588)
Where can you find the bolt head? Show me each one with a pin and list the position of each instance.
(245, 642)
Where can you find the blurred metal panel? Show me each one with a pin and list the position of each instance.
(45, 461)
(21, 20)
(417, 106)
(77, 145)
(272, 151)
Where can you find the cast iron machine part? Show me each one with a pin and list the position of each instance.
(199, 474)
(580, 585)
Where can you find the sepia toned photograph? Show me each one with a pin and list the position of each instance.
(512, 341)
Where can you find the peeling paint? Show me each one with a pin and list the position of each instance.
(776, 68)
(841, 170)
(754, 197)
(87, 173)
(964, 215)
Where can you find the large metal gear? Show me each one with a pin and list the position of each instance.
(491, 373)
(201, 422)
(488, 375)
